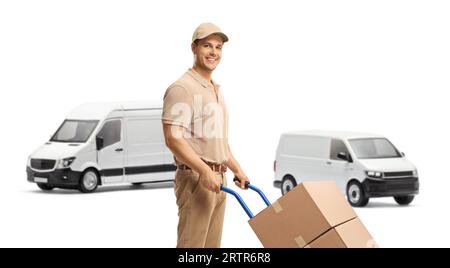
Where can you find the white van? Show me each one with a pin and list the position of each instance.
(104, 143)
(363, 165)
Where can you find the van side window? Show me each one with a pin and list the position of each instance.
(110, 132)
(144, 131)
(337, 146)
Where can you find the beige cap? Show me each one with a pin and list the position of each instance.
(207, 29)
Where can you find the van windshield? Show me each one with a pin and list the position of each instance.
(374, 148)
(75, 131)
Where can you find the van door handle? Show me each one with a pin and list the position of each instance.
(328, 162)
(119, 150)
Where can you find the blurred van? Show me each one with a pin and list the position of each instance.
(102, 144)
(362, 165)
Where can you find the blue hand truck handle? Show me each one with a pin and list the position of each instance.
(239, 198)
(256, 189)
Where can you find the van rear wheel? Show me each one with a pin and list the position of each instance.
(89, 181)
(404, 200)
(356, 195)
(287, 184)
(45, 187)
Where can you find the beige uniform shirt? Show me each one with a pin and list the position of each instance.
(197, 105)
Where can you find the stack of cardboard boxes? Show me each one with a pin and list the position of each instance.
(312, 215)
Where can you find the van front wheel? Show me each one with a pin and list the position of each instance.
(404, 200)
(287, 184)
(89, 181)
(356, 195)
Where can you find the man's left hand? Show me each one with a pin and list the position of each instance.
(243, 178)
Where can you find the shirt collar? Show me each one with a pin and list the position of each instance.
(201, 79)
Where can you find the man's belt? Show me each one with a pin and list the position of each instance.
(214, 167)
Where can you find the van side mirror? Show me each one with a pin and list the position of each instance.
(99, 142)
(403, 154)
(344, 156)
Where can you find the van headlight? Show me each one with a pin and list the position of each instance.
(65, 163)
(374, 174)
(415, 173)
(29, 161)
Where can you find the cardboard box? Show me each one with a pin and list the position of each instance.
(313, 214)
(351, 234)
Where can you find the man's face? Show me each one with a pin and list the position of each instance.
(208, 52)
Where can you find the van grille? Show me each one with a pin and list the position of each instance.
(42, 164)
(406, 184)
(398, 174)
(402, 186)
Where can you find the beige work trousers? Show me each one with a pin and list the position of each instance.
(200, 211)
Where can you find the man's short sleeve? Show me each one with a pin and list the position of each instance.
(177, 107)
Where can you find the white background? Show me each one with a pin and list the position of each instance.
(371, 66)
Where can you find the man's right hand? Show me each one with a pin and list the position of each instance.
(210, 181)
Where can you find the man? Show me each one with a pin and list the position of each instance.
(195, 129)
